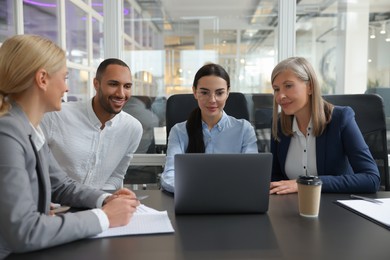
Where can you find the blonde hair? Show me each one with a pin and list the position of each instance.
(321, 110)
(21, 56)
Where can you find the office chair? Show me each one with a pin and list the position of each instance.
(140, 108)
(385, 94)
(370, 117)
(263, 107)
(180, 106)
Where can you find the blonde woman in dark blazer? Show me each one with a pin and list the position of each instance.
(312, 136)
(33, 80)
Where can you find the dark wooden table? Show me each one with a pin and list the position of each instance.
(280, 234)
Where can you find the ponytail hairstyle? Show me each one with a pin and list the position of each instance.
(194, 122)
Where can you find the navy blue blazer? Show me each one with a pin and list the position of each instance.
(344, 161)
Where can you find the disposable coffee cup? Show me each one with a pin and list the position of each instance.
(309, 195)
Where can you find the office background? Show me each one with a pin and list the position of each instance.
(166, 41)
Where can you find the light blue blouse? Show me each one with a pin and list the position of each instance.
(229, 135)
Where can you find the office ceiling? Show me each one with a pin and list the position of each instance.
(185, 15)
(179, 20)
(219, 19)
(193, 11)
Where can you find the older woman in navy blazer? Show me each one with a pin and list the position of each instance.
(311, 135)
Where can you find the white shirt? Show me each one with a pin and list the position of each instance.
(301, 155)
(95, 157)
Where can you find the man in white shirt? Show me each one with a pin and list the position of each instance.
(94, 141)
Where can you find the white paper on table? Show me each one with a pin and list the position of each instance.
(145, 220)
(379, 213)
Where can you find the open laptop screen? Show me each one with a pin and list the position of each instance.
(222, 183)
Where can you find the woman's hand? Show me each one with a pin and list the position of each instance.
(120, 193)
(283, 187)
(120, 209)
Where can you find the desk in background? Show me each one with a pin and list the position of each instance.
(280, 234)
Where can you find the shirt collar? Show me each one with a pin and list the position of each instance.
(95, 120)
(295, 127)
(38, 137)
(220, 124)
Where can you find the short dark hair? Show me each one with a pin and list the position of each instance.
(104, 64)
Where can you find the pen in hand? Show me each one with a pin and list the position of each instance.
(142, 197)
(366, 199)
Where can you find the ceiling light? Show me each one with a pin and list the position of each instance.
(383, 28)
(372, 33)
(167, 26)
(388, 37)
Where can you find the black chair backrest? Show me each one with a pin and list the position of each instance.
(180, 106)
(385, 94)
(262, 111)
(263, 107)
(370, 117)
(262, 100)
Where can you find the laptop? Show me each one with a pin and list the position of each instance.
(222, 183)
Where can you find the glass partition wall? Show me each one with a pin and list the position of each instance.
(166, 41)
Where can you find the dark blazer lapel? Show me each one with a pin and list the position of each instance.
(41, 180)
(320, 153)
(283, 149)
